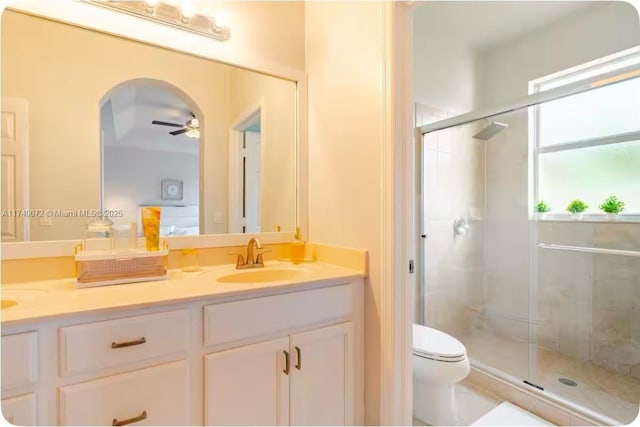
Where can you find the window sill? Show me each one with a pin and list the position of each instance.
(632, 218)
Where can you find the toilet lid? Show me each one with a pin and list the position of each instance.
(434, 344)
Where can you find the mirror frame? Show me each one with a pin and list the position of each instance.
(119, 24)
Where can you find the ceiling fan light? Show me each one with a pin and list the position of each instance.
(193, 133)
(193, 123)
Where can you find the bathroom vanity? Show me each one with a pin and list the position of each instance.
(199, 348)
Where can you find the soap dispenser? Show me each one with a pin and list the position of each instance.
(297, 248)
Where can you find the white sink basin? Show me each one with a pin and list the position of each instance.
(262, 275)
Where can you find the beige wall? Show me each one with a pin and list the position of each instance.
(278, 142)
(272, 31)
(345, 67)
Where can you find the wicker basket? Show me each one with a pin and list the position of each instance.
(97, 269)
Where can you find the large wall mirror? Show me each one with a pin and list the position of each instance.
(98, 124)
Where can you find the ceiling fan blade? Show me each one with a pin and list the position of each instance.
(158, 122)
(178, 132)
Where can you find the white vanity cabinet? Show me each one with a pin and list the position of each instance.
(322, 374)
(20, 410)
(301, 378)
(157, 395)
(248, 385)
(286, 357)
(153, 396)
(20, 377)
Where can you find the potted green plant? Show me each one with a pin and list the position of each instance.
(576, 208)
(542, 208)
(612, 207)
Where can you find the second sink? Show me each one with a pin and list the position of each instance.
(7, 303)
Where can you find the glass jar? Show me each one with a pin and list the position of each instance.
(99, 236)
(190, 260)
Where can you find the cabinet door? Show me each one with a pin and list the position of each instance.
(248, 385)
(19, 360)
(322, 376)
(151, 396)
(20, 410)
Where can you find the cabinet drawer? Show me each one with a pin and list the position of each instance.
(19, 360)
(151, 396)
(111, 343)
(242, 320)
(20, 410)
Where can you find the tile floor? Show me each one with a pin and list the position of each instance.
(472, 403)
(601, 390)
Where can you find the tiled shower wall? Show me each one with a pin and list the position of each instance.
(591, 303)
(453, 188)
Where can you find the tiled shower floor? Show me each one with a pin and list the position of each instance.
(601, 390)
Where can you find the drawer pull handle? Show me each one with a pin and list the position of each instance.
(142, 416)
(299, 364)
(286, 362)
(128, 343)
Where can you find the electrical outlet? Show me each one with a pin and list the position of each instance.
(217, 217)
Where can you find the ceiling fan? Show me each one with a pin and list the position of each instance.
(191, 127)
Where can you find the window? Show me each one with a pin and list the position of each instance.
(587, 145)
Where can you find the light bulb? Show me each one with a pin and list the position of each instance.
(150, 5)
(187, 10)
(221, 19)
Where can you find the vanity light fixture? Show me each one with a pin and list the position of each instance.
(183, 16)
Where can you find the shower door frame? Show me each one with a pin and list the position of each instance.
(532, 100)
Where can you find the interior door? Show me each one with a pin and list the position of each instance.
(321, 376)
(14, 169)
(252, 181)
(248, 385)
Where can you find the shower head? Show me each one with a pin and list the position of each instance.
(491, 130)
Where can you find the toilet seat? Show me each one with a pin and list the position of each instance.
(435, 345)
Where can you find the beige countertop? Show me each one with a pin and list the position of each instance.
(42, 300)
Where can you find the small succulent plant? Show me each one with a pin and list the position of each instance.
(612, 205)
(577, 206)
(542, 207)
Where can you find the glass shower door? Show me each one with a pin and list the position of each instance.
(476, 240)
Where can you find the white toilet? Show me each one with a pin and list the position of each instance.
(439, 362)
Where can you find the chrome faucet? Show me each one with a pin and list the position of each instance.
(253, 261)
